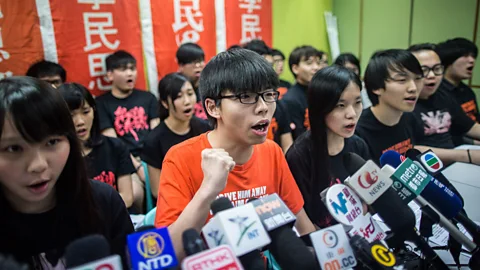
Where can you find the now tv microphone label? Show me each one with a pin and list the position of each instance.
(273, 212)
(369, 182)
(151, 249)
(332, 248)
(218, 258)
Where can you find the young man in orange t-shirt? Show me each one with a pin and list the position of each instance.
(234, 160)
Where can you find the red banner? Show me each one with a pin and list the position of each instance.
(87, 31)
(248, 19)
(180, 21)
(20, 37)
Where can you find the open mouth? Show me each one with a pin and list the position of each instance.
(351, 126)
(130, 81)
(82, 131)
(188, 111)
(470, 68)
(410, 99)
(261, 127)
(40, 186)
(430, 84)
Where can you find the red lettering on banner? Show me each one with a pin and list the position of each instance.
(180, 21)
(130, 121)
(100, 28)
(20, 38)
(247, 20)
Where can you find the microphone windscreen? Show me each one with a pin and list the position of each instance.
(392, 158)
(221, 204)
(412, 153)
(192, 242)
(290, 251)
(353, 162)
(145, 228)
(449, 204)
(86, 249)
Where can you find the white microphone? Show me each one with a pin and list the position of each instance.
(91, 252)
(217, 258)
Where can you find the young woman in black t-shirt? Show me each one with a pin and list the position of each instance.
(46, 199)
(316, 157)
(108, 159)
(177, 102)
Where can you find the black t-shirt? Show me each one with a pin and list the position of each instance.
(464, 96)
(280, 123)
(160, 140)
(381, 138)
(300, 160)
(285, 84)
(297, 106)
(129, 117)
(442, 118)
(108, 161)
(40, 239)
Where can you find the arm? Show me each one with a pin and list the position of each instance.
(154, 123)
(138, 168)
(286, 140)
(474, 132)
(449, 156)
(110, 132)
(125, 189)
(154, 176)
(303, 223)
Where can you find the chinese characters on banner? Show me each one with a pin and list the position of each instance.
(92, 30)
(179, 21)
(248, 19)
(20, 37)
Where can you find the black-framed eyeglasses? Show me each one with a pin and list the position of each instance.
(437, 70)
(252, 98)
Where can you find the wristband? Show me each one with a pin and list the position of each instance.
(139, 166)
(469, 157)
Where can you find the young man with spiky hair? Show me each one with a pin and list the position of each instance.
(239, 96)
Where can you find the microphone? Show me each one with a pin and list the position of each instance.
(373, 186)
(375, 256)
(289, 251)
(91, 252)
(346, 208)
(240, 228)
(217, 258)
(429, 161)
(151, 249)
(333, 248)
(192, 242)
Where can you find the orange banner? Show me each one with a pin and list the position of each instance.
(87, 31)
(248, 19)
(20, 37)
(180, 21)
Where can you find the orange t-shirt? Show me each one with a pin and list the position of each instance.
(265, 173)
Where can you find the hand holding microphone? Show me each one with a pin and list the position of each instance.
(216, 164)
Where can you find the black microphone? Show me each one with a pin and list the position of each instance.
(192, 242)
(90, 252)
(289, 251)
(374, 256)
(374, 187)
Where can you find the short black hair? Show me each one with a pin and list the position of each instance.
(422, 47)
(234, 46)
(188, 53)
(276, 52)
(119, 59)
(380, 65)
(344, 58)
(452, 49)
(238, 71)
(45, 68)
(259, 46)
(75, 95)
(302, 52)
(169, 86)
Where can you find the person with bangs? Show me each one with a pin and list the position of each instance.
(316, 157)
(177, 101)
(46, 198)
(107, 158)
(239, 96)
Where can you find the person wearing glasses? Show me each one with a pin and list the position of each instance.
(394, 80)
(443, 119)
(234, 160)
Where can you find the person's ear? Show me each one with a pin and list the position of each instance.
(164, 104)
(378, 91)
(110, 75)
(212, 109)
(295, 69)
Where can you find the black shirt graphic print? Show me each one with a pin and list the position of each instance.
(464, 96)
(442, 119)
(108, 161)
(129, 117)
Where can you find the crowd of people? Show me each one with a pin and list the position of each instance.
(73, 165)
